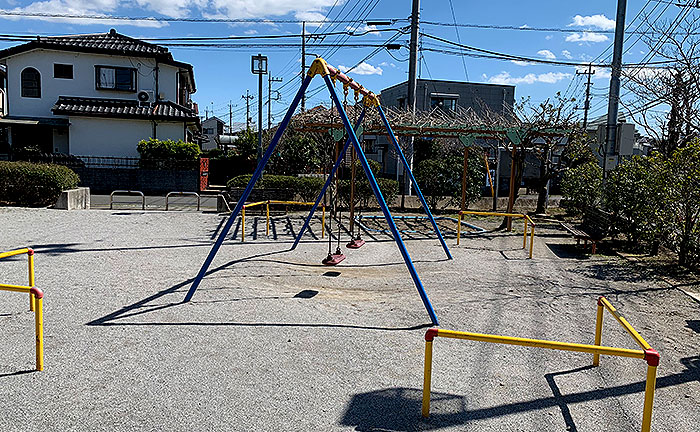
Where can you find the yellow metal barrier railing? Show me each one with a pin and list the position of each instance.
(650, 355)
(267, 213)
(35, 302)
(526, 220)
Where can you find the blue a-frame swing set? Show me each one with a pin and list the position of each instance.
(330, 75)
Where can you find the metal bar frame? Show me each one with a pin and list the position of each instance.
(647, 353)
(526, 218)
(382, 203)
(35, 302)
(128, 192)
(182, 194)
(319, 67)
(246, 193)
(413, 180)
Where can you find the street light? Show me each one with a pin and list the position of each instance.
(258, 66)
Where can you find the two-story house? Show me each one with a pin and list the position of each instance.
(93, 95)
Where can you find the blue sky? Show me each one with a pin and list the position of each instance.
(223, 75)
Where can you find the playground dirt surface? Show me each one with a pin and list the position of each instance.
(273, 340)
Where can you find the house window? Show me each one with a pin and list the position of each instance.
(31, 83)
(115, 78)
(445, 103)
(64, 71)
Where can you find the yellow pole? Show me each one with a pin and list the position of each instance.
(626, 325)
(427, 372)
(532, 238)
(243, 224)
(598, 332)
(525, 233)
(649, 398)
(267, 228)
(39, 324)
(323, 222)
(30, 255)
(459, 226)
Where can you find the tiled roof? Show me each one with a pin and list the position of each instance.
(112, 43)
(122, 108)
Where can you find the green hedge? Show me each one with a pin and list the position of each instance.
(308, 188)
(34, 185)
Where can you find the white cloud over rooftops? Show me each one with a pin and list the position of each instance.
(599, 21)
(531, 78)
(363, 68)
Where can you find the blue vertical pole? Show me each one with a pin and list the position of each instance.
(248, 189)
(392, 137)
(328, 182)
(382, 203)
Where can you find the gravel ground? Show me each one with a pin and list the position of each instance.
(275, 341)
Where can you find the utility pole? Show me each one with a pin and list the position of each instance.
(411, 96)
(611, 158)
(587, 102)
(258, 66)
(303, 62)
(270, 80)
(247, 98)
(230, 118)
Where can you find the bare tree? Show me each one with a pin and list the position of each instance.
(667, 96)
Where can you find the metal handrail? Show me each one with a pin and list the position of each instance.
(169, 194)
(127, 192)
(35, 302)
(525, 218)
(650, 355)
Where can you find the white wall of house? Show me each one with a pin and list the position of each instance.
(83, 82)
(92, 136)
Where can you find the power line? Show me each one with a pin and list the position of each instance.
(181, 19)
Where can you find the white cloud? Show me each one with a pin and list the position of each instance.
(386, 64)
(363, 69)
(548, 37)
(547, 54)
(524, 26)
(587, 37)
(599, 21)
(567, 54)
(312, 10)
(521, 62)
(250, 32)
(80, 7)
(547, 78)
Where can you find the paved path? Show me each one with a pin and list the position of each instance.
(275, 341)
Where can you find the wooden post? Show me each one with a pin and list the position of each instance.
(464, 178)
(511, 193)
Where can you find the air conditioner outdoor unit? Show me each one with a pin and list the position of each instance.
(146, 97)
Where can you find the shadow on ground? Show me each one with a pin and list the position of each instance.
(399, 408)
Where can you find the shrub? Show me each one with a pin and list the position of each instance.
(441, 178)
(29, 184)
(363, 191)
(308, 188)
(167, 154)
(634, 193)
(581, 187)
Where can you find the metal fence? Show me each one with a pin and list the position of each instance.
(77, 161)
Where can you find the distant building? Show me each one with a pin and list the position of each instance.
(93, 95)
(212, 129)
(445, 95)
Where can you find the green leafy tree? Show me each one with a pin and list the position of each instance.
(441, 178)
(682, 204)
(581, 187)
(635, 193)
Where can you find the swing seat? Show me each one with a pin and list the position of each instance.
(355, 244)
(333, 259)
